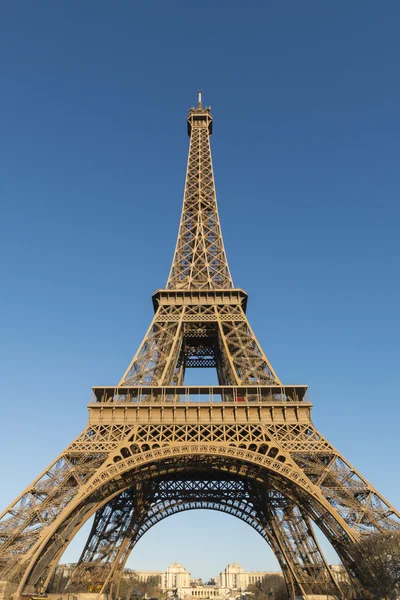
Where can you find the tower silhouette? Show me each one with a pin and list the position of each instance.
(155, 446)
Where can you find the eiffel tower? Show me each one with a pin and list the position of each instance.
(154, 446)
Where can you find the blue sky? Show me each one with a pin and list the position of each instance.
(93, 149)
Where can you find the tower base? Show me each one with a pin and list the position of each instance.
(7, 589)
(77, 596)
(316, 597)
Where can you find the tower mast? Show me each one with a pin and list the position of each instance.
(199, 260)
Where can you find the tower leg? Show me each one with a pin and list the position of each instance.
(303, 554)
(7, 589)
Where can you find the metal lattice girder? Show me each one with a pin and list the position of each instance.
(199, 260)
(22, 524)
(302, 552)
(289, 535)
(251, 440)
(231, 432)
(132, 465)
(341, 484)
(178, 332)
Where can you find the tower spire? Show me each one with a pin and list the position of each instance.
(199, 261)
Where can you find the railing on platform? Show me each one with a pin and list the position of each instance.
(201, 394)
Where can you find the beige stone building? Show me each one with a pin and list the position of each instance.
(176, 581)
(176, 576)
(340, 573)
(144, 576)
(205, 592)
(233, 580)
(235, 577)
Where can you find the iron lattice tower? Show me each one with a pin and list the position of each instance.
(154, 447)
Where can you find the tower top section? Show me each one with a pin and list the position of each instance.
(199, 261)
(199, 116)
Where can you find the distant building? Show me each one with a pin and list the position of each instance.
(145, 576)
(174, 577)
(340, 573)
(235, 577)
(231, 582)
(176, 581)
(204, 592)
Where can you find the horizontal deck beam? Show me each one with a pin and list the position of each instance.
(192, 414)
(201, 394)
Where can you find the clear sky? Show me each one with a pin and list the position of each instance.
(93, 149)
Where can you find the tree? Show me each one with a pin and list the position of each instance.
(131, 588)
(271, 587)
(347, 590)
(378, 563)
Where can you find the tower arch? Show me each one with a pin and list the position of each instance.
(205, 462)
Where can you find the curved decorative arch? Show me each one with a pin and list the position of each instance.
(113, 476)
(143, 520)
(298, 580)
(286, 469)
(178, 508)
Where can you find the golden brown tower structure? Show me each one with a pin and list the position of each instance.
(155, 446)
